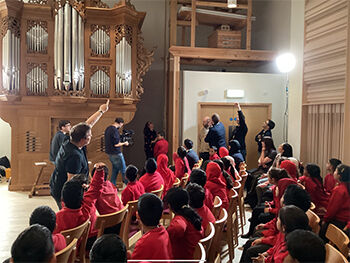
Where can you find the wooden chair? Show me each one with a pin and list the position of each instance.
(338, 238)
(312, 206)
(129, 241)
(314, 221)
(215, 248)
(177, 182)
(198, 164)
(217, 207)
(242, 165)
(209, 235)
(232, 223)
(334, 256)
(67, 255)
(242, 217)
(112, 219)
(184, 180)
(158, 192)
(199, 254)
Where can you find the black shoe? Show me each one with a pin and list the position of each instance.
(245, 236)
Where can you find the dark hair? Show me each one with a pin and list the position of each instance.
(34, 244)
(277, 173)
(305, 246)
(150, 209)
(228, 165)
(45, 216)
(72, 194)
(105, 170)
(198, 176)
(196, 194)
(62, 123)
(178, 200)
(344, 173)
(268, 144)
(292, 218)
(108, 248)
(215, 118)
(181, 152)
(334, 163)
(131, 173)
(271, 124)
(146, 129)
(204, 165)
(119, 120)
(287, 150)
(161, 133)
(295, 195)
(79, 131)
(235, 147)
(214, 148)
(280, 160)
(314, 171)
(151, 165)
(228, 179)
(188, 143)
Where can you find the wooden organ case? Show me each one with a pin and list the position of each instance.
(61, 59)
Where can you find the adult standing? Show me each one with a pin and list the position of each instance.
(203, 147)
(71, 158)
(268, 125)
(216, 135)
(61, 136)
(241, 130)
(113, 144)
(150, 136)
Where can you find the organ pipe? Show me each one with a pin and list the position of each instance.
(123, 67)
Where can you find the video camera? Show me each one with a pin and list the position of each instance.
(126, 136)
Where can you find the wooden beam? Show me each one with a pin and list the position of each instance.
(193, 24)
(173, 22)
(222, 53)
(213, 4)
(249, 25)
(183, 23)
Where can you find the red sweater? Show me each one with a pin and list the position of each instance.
(68, 218)
(329, 183)
(270, 233)
(155, 244)
(109, 201)
(183, 237)
(339, 205)
(132, 192)
(167, 174)
(180, 167)
(214, 157)
(152, 182)
(59, 242)
(279, 251)
(206, 215)
(161, 146)
(209, 199)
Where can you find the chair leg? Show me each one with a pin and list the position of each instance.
(229, 236)
(235, 223)
(242, 203)
(241, 216)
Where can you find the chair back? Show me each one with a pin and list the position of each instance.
(199, 253)
(312, 206)
(209, 235)
(215, 247)
(132, 209)
(314, 221)
(184, 180)
(232, 220)
(177, 182)
(67, 255)
(217, 207)
(333, 255)
(158, 192)
(109, 220)
(338, 238)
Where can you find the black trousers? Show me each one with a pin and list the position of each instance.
(250, 251)
(258, 217)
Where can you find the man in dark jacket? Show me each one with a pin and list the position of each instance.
(241, 131)
(216, 135)
(60, 137)
(268, 125)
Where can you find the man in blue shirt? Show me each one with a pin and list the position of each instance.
(191, 156)
(112, 148)
(216, 135)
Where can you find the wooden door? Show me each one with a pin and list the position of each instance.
(255, 114)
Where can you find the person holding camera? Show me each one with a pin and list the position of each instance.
(112, 146)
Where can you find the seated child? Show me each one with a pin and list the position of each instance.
(155, 242)
(134, 189)
(152, 180)
(197, 195)
(108, 248)
(329, 182)
(185, 229)
(167, 174)
(45, 216)
(181, 163)
(213, 153)
(34, 244)
(199, 177)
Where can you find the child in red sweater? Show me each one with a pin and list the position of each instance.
(151, 180)
(155, 243)
(161, 145)
(199, 177)
(167, 174)
(185, 229)
(197, 195)
(329, 182)
(45, 216)
(134, 189)
(181, 163)
(213, 155)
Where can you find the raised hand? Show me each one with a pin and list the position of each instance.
(104, 107)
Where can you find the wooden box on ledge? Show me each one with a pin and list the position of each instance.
(223, 37)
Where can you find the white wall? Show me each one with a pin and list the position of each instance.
(5, 139)
(258, 88)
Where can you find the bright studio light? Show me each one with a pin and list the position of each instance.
(231, 3)
(285, 62)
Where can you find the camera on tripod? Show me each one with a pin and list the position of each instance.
(126, 136)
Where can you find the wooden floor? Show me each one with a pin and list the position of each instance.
(16, 208)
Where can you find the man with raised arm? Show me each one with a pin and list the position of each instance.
(241, 130)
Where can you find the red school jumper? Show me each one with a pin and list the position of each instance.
(132, 192)
(181, 167)
(329, 182)
(152, 182)
(338, 205)
(206, 215)
(155, 244)
(209, 199)
(160, 147)
(279, 251)
(59, 242)
(109, 201)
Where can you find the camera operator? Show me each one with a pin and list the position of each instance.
(113, 143)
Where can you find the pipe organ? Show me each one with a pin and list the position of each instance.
(61, 59)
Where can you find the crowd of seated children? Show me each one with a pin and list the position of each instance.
(199, 177)
(185, 229)
(134, 189)
(167, 174)
(181, 163)
(213, 153)
(161, 146)
(108, 248)
(154, 243)
(151, 180)
(197, 195)
(191, 155)
(313, 183)
(45, 216)
(329, 182)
